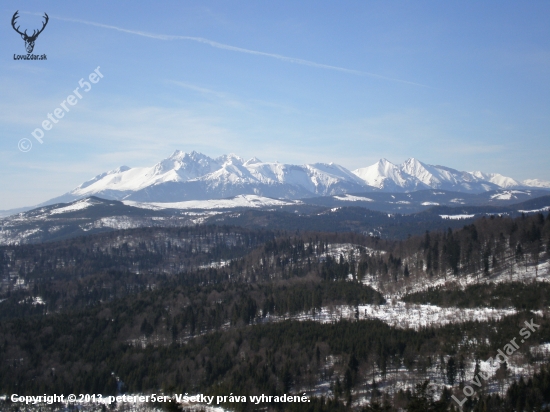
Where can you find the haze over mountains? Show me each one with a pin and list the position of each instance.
(195, 176)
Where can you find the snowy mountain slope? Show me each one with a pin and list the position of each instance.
(422, 200)
(414, 175)
(231, 203)
(536, 183)
(441, 177)
(85, 216)
(499, 180)
(195, 176)
(179, 167)
(385, 211)
(387, 176)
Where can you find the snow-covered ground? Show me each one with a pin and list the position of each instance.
(128, 406)
(347, 251)
(220, 264)
(237, 201)
(509, 194)
(33, 300)
(456, 217)
(519, 273)
(544, 209)
(400, 315)
(541, 350)
(8, 236)
(351, 198)
(536, 183)
(73, 207)
(404, 316)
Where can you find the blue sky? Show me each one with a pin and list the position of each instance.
(463, 84)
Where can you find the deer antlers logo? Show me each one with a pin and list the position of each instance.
(29, 40)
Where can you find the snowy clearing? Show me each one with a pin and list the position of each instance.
(520, 273)
(351, 198)
(456, 217)
(544, 209)
(80, 205)
(335, 250)
(508, 194)
(400, 315)
(237, 201)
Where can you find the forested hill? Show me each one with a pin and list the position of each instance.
(113, 264)
(220, 309)
(393, 225)
(390, 217)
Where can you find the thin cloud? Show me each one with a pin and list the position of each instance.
(198, 89)
(232, 101)
(167, 37)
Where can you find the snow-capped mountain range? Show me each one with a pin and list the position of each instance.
(195, 176)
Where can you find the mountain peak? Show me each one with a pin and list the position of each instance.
(195, 176)
(252, 161)
(383, 175)
(230, 158)
(496, 178)
(412, 161)
(177, 153)
(537, 183)
(119, 169)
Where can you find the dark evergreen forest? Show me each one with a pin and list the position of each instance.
(212, 309)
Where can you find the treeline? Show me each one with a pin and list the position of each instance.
(77, 353)
(202, 327)
(104, 267)
(526, 395)
(305, 297)
(341, 219)
(522, 296)
(489, 245)
(179, 312)
(110, 266)
(484, 247)
(144, 250)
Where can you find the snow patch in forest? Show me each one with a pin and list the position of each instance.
(510, 272)
(80, 205)
(399, 315)
(253, 201)
(508, 194)
(412, 316)
(544, 209)
(335, 250)
(220, 264)
(351, 198)
(542, 349)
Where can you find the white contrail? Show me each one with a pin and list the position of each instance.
(238, 49)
